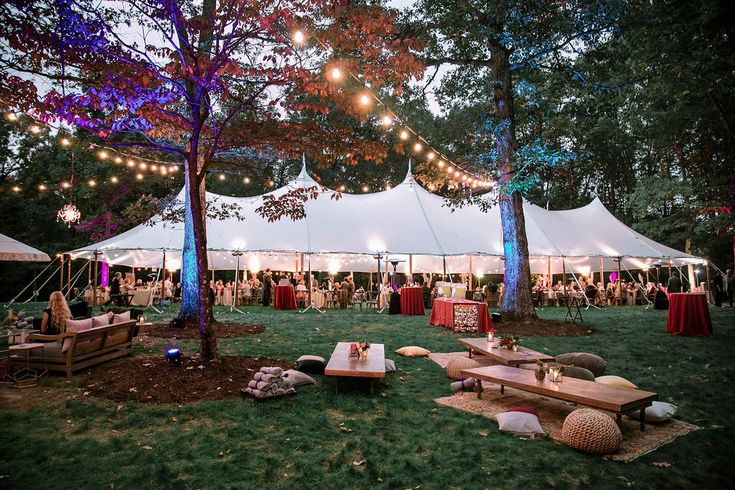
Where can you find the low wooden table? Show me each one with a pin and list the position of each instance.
(504, 356)
(25, 377)
(611, 398)
(372, 366)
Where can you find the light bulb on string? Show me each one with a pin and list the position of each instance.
(450, 170)
(246, 180)
(118, 160)
(341, 188)
(418, 147)
(163, 170)
(41, 187)
(154, 168)
(440, 163)
(11, 116)
(34, 129)
(16, 188)
(65, 185)
(131, 164)
(298, 37)
(404, 135)
(91, 183)
(365, 188)
(386, 120)
(430, 156)
(221, 177)
(143, 166)
(335, 74)
(65, 142)
(139, 176)
(113, 179)
(102, 155)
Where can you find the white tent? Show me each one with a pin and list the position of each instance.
(18, 251)
(406, 222)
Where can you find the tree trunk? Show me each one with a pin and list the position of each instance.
(517, 298)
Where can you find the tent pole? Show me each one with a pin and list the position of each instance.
(709, 290)
(61, 272)
(471, 288)
(94, 290)
(444, 264)
(620, 275)
(548, 270)
(564, 276)
(410, 266)
(68, 275)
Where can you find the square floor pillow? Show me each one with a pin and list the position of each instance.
(656, 413)
(311, 364)
(530, 410)
(390, 366)
(521, 423)
(121, 317)
(297, 378)
(579, 373)
(615, 381)
(412, 351)
(595, 364)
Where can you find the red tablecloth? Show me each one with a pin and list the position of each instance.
(442, 313)
(284, 298)
(412, 301)
(688, 315)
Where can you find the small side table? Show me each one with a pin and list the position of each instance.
(26, 377)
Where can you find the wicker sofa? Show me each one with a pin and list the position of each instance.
(71, 351)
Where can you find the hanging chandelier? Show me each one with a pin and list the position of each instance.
(68, 214)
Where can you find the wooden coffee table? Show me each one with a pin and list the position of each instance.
(504, 356)
(372, 366)
(611, 398)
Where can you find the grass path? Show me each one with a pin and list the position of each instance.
(53, 436)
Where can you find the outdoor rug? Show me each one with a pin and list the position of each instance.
(553, 412)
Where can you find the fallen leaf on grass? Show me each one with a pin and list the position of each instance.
(344, 428)
(483, 434)
(133, 390)
(402, 378)
(120, 407)
(358, 463)
(662, 464)
(716, 426)
(147, 448)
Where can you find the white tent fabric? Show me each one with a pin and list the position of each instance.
(345, 234)
(14, 250)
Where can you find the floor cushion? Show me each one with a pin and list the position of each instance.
(656, 413)
(297, 378)
(595, 364)
(519, 423)
(413, 351)
(615, 381)
(591, 431)
(390, 366)
(311, 364)
(579, 373)
(457, 363)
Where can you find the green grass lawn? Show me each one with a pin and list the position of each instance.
(63, 439)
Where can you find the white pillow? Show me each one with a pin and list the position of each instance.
(390, 366)
(519, 423)
(297, 378)
(658, 412)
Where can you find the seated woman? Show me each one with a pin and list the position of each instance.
(53, 321)
(301, 290)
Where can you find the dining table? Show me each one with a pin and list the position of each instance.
(688, 315)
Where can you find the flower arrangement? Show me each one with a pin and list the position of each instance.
(363, 347)
(509, 342)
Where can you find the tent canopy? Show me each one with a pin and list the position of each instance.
(14, 250)
(349, 233)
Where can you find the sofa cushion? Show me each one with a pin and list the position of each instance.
(101, 320)
(121, 317)
(51, 350)
(595, 364)
(79, 325)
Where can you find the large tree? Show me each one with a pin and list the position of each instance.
(492, 46)
(200, 82)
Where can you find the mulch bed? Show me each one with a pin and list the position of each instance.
(224, 331)
(150, 379)
(543, 328)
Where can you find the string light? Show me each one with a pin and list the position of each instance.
(130, 164)
(341, 188)
(365, 188)
(430, 156)
(102, 154)
(113, 179)
(336, 74)
(246, 180)
(298, 37)
(16, 188)
(404, 135)
(34, 129)
(41, 187)
(139, 176)
(418, 147)
(365, 100)
(386, 120)
(91, 183)
(221, 177)
(154, 168)
(65, 142)
(143, 166)
(440, 163)
(11, 116)
(118, 160)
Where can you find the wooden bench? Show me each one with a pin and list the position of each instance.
(72, 351)
(611, 398)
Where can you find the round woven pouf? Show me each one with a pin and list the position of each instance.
(590, 431)
(457, 364)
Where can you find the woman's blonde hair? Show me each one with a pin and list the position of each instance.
(59, 311)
